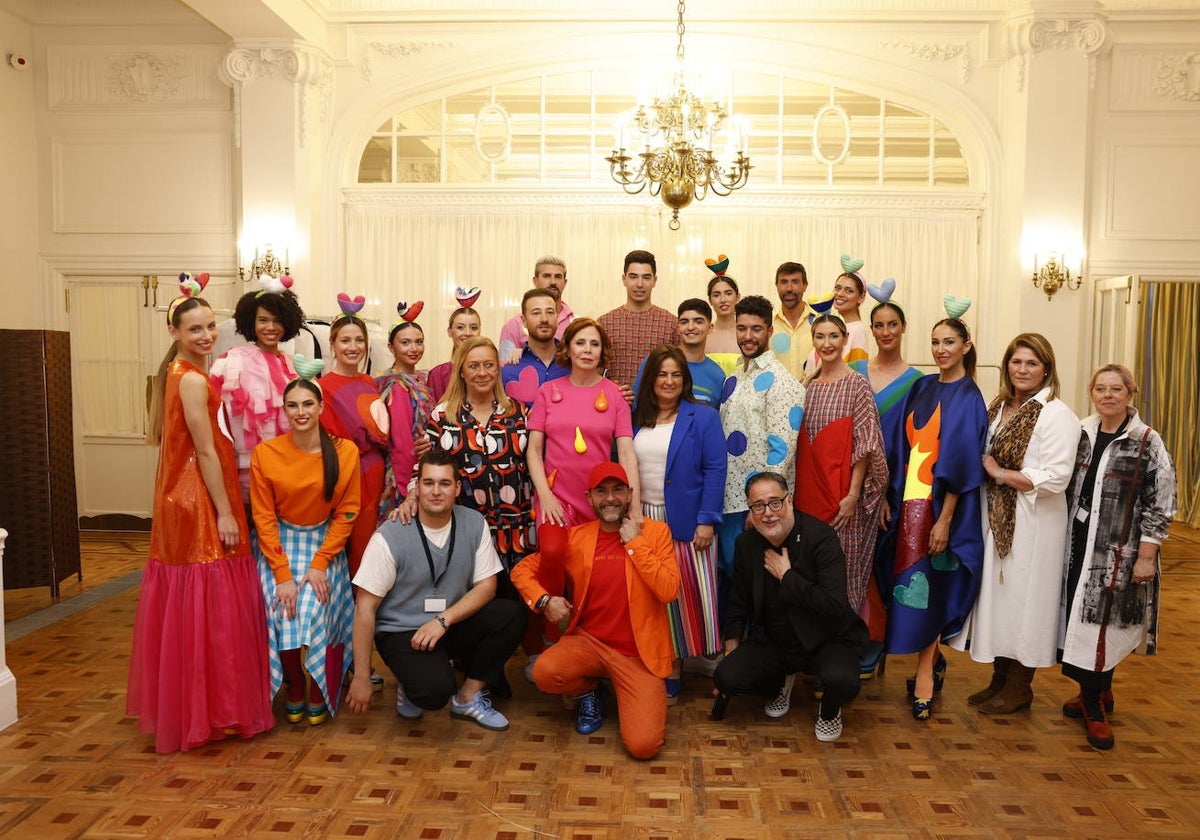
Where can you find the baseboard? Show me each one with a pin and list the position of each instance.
(114, 522)
(8, 698)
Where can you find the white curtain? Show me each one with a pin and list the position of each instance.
(415, 247)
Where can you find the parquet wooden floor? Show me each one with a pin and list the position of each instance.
(73, 766)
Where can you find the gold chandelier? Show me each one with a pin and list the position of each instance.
(680, 168)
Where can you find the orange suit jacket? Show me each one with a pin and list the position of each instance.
(651, 581)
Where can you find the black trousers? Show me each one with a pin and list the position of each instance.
(759, 666)
(1092, 682)
(481, 644)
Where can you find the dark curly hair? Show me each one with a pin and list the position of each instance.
(284, 306)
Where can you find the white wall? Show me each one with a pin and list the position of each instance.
(20, 304)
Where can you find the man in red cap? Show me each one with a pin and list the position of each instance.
(620, 572)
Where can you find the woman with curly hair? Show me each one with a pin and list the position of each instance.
(251, 378)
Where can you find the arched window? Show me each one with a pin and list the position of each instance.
(557, 129)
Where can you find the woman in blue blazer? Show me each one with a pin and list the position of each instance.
(681, 461)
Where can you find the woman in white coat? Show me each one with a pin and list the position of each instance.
(1032, 438)
(1121, 501)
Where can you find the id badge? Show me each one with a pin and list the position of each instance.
(435, 605)
(1082, 514)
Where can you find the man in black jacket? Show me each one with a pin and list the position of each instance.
(787, 607)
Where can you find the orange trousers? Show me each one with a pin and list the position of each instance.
(574, 665)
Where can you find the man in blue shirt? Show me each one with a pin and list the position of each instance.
(537, 364)
(695, 323)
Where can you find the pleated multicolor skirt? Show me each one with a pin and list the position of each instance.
(693, 615)
(323, 630)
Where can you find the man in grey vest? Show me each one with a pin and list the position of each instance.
(426, 595)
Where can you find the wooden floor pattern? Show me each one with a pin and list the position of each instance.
(73, 766)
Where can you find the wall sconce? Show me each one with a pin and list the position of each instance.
(1050, 274)
(267, 264)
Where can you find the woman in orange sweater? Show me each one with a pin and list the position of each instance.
(305, 494)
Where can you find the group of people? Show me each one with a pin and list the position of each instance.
(735, 490)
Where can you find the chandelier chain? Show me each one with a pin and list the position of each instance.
(680, 28)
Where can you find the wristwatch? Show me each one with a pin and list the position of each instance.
(541, 603)
(441, 619)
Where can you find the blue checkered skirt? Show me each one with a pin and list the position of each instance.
(323, 630)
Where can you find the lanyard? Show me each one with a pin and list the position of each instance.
(436, 578)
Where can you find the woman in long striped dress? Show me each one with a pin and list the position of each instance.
(681, 460)
(305, 494)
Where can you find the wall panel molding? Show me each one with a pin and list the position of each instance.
(116, 183)
(1154, 78)
(123, 79)
(1136, 206)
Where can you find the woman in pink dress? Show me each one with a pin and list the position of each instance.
(198, 667)
(464, 324)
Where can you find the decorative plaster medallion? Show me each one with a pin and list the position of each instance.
(397, 49)
(936, 52)
(144, 77)
(1177, 76)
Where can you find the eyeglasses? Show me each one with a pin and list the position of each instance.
(776, 505)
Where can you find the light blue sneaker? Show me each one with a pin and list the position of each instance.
(479, 709)
(406, 708)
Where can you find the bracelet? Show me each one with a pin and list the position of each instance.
(441, 619)
(541, 603)
(1000, 478)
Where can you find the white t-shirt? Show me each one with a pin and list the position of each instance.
(377, 572)
(651, 445)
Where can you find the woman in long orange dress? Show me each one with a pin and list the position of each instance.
(198, 668)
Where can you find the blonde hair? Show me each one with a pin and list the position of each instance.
(456, 390)
(1120, 370)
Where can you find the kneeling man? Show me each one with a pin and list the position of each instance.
(788, 609)
(620, 573)
(426, 593)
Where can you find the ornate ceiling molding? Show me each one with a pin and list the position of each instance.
(1031, 33)
(145, 77)
(306, 67)
(396, 49)
(1177, 76)
(960, 53)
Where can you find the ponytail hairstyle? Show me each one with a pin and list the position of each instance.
(187, 301)
(830, 318)
(960, 328)
(329, 457)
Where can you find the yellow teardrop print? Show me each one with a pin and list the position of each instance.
(580, 443)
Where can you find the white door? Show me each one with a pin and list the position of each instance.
(1114, 321)
(118, 337)
(1114, 325)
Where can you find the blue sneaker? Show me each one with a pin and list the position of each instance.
(406, 708)
(479, 709)
(589, 714)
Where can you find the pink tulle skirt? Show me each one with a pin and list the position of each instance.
(198, 669)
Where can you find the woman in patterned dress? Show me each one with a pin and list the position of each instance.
(484, 429)
(934, 579)
(405, 392)
(891, 379)
(304, 490)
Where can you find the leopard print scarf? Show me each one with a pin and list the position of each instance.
(1008, 448)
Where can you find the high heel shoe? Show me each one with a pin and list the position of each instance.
(317, 714)
(922, 709)
(294, 712)
(939, 677)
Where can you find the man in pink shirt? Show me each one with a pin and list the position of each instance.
(549, 273)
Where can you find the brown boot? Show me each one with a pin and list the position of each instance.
(999, 674)
(1017, 693)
